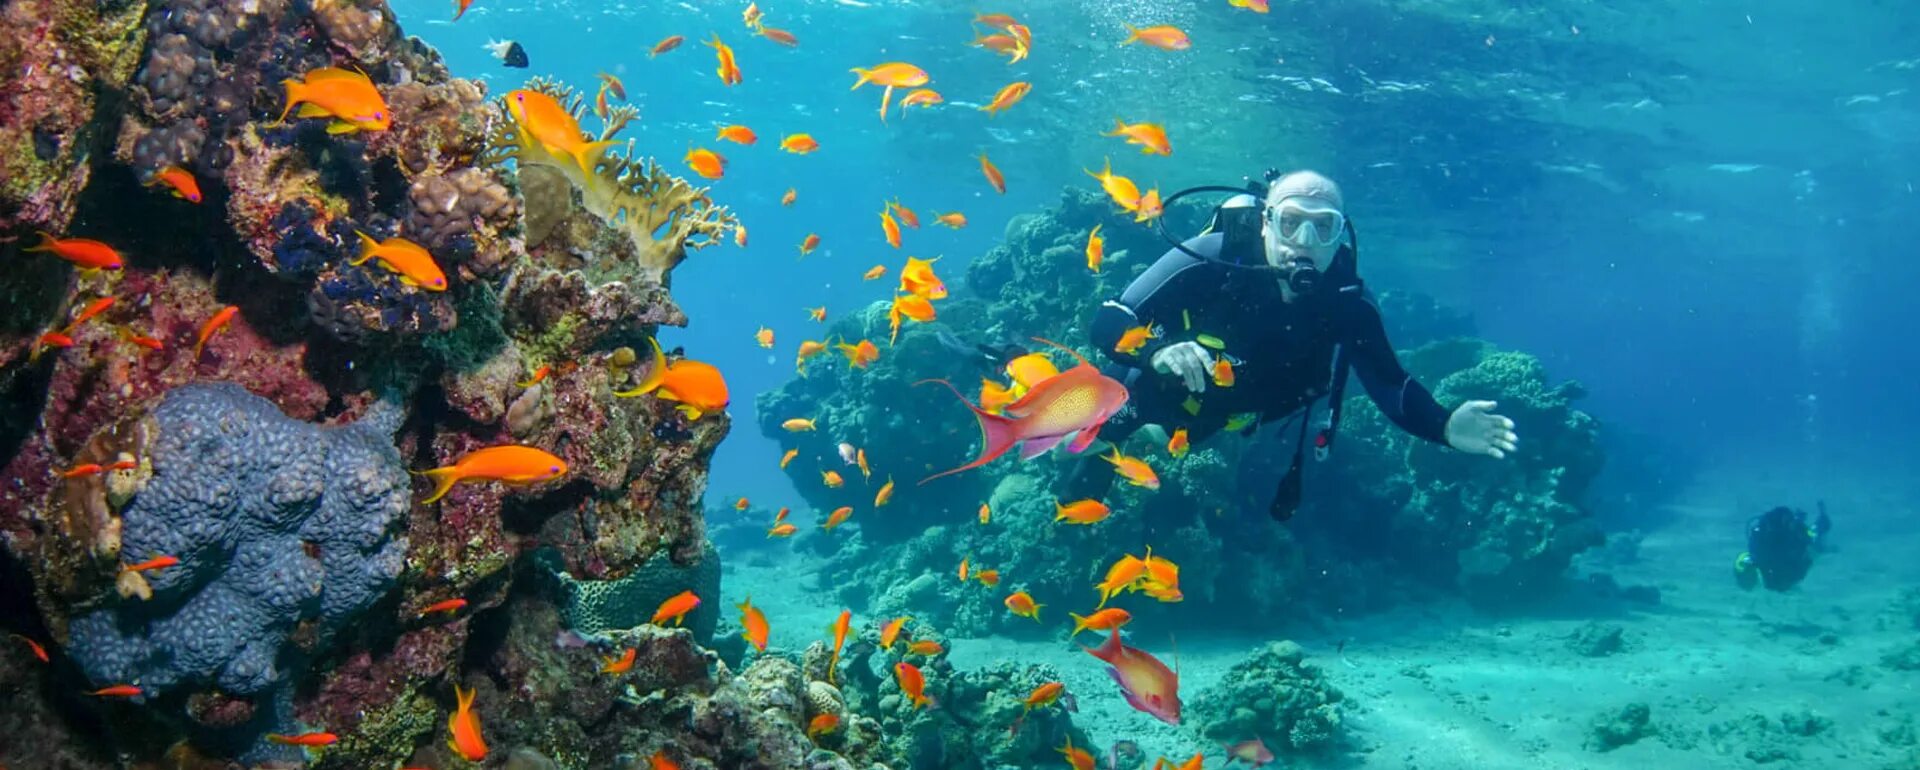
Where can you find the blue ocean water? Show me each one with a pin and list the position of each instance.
(1698, 212)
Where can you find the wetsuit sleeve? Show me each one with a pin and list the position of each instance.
(1170, 284)
(1410, 405)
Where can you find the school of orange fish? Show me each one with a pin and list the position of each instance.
(1036, 408)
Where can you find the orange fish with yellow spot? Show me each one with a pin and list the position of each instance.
(729, 70)
(1022, 604)
(1145, 682)
(696, 388)
(179, 182)
(404, 258)
(463, 728)
(912, 683)
(707, 163)
(755, 623)
(799, 144)
(554, 127)
(1074, 402)
(737, 135)
(1133, 469)
(348, 97)
(860, 355)
(1151, 138)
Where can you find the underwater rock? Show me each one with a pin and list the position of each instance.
(1621, 727)
(1903, 658)
(1597, 640)
(285, 533)
(599, 606)
(1275, 695)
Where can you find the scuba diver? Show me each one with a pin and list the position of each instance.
(1272, 290)
(1780, 548)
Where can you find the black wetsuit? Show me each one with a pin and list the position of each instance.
(1282, 352)
(1780, 547)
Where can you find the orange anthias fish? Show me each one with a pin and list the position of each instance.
(911, 306)
(178, 181)
(921, 97)
(51, 340)
(1149, 206)
(860, 460)
(1151, 138)
(799, 144)
(666, 44)
(890, 632)
(780, 36)
(839, 628)
(754, 623)
(740, 236)
(1164, 37)
(149, 343)
(1198, 760)
(554, 128)
(676, 608)
(988, 577)
(752, 15)
(444, 605)
(403, 257)
(764, 336)
(1223, 373)
(831, 479)
(995, 397)
(509, 464)
(1077, 401)
(86, 254)
(1133, 339)
(118, 691)
(1101, 620)
(995, 20)
(218, 321)
(1254, 752)
(790, 196)
(1078, 759)
(740, 504)
(953, 219)
(918, 279)
(620, 665)
(994, 177)
(1121, 576)
(707, 163)
(925, 648)
(838, 517)
(1162, 580)
(1121, 189)
(1009, 95)
(729, 70)
(460, 8)
(1043, 696)
(964, 569)
(782, 530)
(1087, 511)
(157, 562)
(1177, 444)
(1146, 683)
(82, 470)
(912, 683)
(305, 740)
(464, 728)
(860, 355)
(539, 375)
(696, 388)
(788, 457)
(807, 245)
(907, 217)
(797, 424)
(822, 725)
(885, 494)
(891, 75)
(613, 85)
(38, 651)
(737, 135)
(1022, 604)
(877, 271)
(890, 229)
(1257, 6)
(344, 95)
(660, 761)
(1133, 469)
(1006, 45)
(808, 349)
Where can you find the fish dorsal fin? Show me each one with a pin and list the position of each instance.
(1070, 351)
(1176, 653)
(336, 73)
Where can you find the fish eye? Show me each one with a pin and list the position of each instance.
(553, 469)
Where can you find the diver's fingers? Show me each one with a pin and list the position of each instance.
(1480, 406)
(1190, 369)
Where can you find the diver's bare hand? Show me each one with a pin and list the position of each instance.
(1475, 429)
(1186, 360)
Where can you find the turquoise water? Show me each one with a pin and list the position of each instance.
(1697, 212)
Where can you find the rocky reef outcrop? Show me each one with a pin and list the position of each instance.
(1275, 696)
(247, 397)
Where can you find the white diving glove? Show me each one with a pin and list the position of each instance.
(1475, 429)
(1186, 360)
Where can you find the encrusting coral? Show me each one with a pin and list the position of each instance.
(1275, 696)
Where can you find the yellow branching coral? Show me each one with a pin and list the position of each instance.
(661, 213)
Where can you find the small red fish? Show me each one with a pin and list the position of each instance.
(447, 605)
(118, 691)
(666, 44)
(676, 608)
(149, 343)
(538, 375)
(83, 469)
(38, 651)
(180, 181)
(97, 307)
(157, 562)
(214, 324)
(83, 253)
(55, 340)
(620, 665)
(308, 740)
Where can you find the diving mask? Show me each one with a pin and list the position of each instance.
(1306, 223)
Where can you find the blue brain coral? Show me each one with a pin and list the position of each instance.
(278, 525)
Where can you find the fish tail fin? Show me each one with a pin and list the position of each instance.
(589, 154)
(866, 76)
(656, 374)
(1079, 624)
(1133, 34)
(997, 433)
(46, 242)
(833, 665)
(443, 480)
(459, 9)
(296, 93)
(1119, 127)
(367, 246)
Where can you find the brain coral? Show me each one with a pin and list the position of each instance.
(278, 525)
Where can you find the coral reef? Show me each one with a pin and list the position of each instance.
(599, 606)
(1274, 695)
(1620, 727)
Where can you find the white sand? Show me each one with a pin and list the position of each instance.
(1442, 687)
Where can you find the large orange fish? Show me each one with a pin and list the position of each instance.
(1043, 696)
(755, 624)
(1146, 683)
(88, 255)
(707, 163)
(1008, 96)
(1121, 189)
(1164, 37)
(890, 229)
(676, 608)
(729, 70)
(1135, 470)
(1081, 512)
(912, 683)
(1021, 603)
(620, 665)
(697, 388)
(554, 128)
(178, 181)
(407, 259)
(840, 627)
(1101, 620)
(1076, 401)
(1151, 138)
(344, 95)
(918, 279)
(508, 464)
(464, 728)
